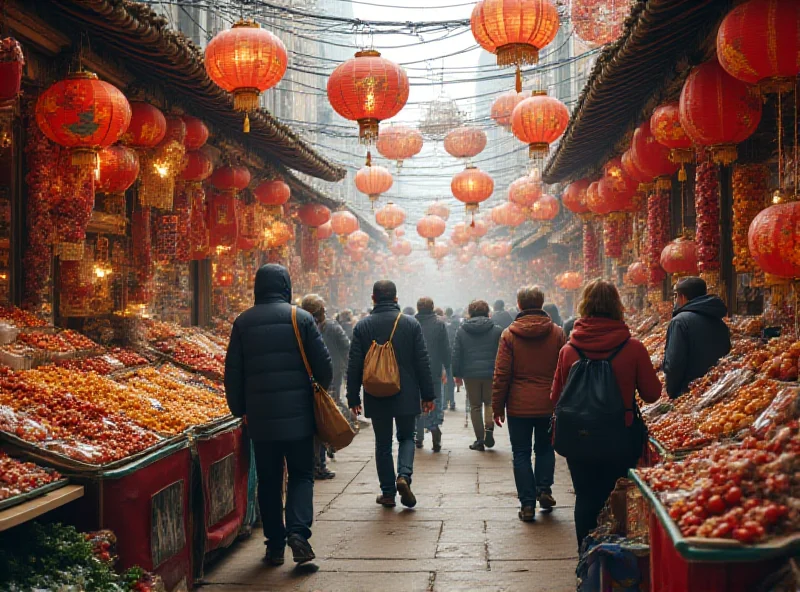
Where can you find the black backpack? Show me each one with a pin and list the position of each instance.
(589, 420)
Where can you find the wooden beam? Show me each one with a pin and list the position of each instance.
(33, 29)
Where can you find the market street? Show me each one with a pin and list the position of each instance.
(464, 533)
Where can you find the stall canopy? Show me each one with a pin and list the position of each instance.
(630, 75)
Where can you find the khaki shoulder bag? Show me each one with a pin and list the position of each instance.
(332, 427)
(381, 374)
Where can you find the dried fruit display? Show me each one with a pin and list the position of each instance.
(739, 411)
(20, 318)
(197, 352)
(128, 357)
(157, 330)
(706, 204)
(97, 364)
(658, 232)
(49, 342)
(750, 194)
(78, 341)
(17, 477)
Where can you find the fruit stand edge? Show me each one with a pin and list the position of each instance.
(31, 509)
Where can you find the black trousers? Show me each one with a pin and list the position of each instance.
(593, 483)
(299, 458)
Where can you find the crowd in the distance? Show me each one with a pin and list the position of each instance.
(567, 390)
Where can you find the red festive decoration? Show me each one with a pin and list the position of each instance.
(401, 248)
(277, 235)
(390, 217)
(574, 197)
(196, 133)
(358, 240)
(461, 235)
(313, 215)
(399, 143)
(273, 193)
(569, 280)
(598, 22)
(525, 191)
(508, 214)
(325, 231)
(197, 167)
(665, 124)
(651, 157)
(344, 223)
(12, 62)
(718, 111)
(680, 257)
(614, 235)
(479, 228)
(774, 240)
(373, 180)
(617, 185)
(465, 142)
(637, 274)
(472, 187)
(431, 228)
(84, 114)
(514, 30)
(117, 169)
(591, 251)
(657, 234)
(439, 251)
(503, 107)
(632, 169)
(706, 204)
(545, 209)
(222, 223)
(231, 178)
(539, 121)
(176, 131)
(440, 209)
(148, 126)
(368, 89)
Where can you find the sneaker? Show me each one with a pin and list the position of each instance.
(527, 514)
(323, 474)
(436, 433)
(274, 557)
(387, 501)
(420, 443)
(546, 501)
(301, 549)
(489, 441)
(477, 445)
(406, 496)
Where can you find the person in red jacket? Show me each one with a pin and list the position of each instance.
(599, 331)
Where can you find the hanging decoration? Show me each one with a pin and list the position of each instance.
(277, 234)
(503, 106)
(325, 231)
(249, 224)
(197, 167)
(465, 142)
(358, 240)
(399, 143)
(439, 251)
(313, 215)
(508, 214)
(617, 187)
(592, 267)
(309, 249)
(390, 217)
(222, 223)
(652, 157)
(117, 169)
(72, 201)
(141, 240)
(245, 60)
(657, 235)
(231, 178)
(598, 22)
(665, 123)
(472, 187)
(706, 204)
(526, 190)
(637, 274)
(368, 89)
(147, 128)
(431, 228)
(183, 211)
(634, 172)
(344, 223)
(569, 280)
(478, 228)
(774, 240)
(614, 235)
(372, 180)
(196, 133)
(166, 238)
(438, 208)
(574, 197)
(460, 235)
(400, 248)
(161, 166)
(12, 61)
(750, 196)
(273, 194)
(545, 209)
(539, 121)
(679, 257)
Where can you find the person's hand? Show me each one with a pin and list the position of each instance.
(356, 410)
(459, 382)
(499, 419)
(428, 406)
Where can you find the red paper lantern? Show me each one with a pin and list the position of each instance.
(12, 62)
(231, 178)
(148, 126)
(83, 114)
(465, 142)
(344, 223)
(514, 30)
(439, 251)
(479, 228)
(398, 142)
(632, 169)
(313, 215)
(665, 124)
(368, 89)
(272, 192)
(574, 197)
(651, 157)
(277, 234)
(472, 187)
(539, 121)
(637, 274)
(598, 22)
(176, 130)
(197, 167)
(461, 235)
(680, 257)
(503, 107)
(594, 201)
(325, 231)
(774, 240)
(618, 180)
(440, 209)
(390, 217)
(545, 209)
(718, 111)
(196, 133)
(569, 280)
(431, 228)
(525, 191)
(358, 240)
(508, 214)
(373, 180)
(117, 169)
(758, 42)
(223, 278)
(401, 248)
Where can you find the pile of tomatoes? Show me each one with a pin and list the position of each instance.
(17, 477)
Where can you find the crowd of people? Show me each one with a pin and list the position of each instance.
(569, 390)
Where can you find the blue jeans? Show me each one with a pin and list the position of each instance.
(406, 427)
(450, 391)
(523, 431)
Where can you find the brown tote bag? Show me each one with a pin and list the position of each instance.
(381, 374)
(332, 427)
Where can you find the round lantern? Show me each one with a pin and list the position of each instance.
(373, 180)
(277, 234)
(479, 228)
(514, 30)
(148, 126)
(607, 199)
(632, 169)
(196, 133)
(344, 223)
(390, 217)
(245, 60)
(651, 157)
(117, 169)
(594, 202)
(545, 209)
(231, 178)
(431, 228)
(665, 124)
(574, 197)
(503, 107)
(617, 188)
(680, 257)
(525, 191)
(439, 251)
(400, 232)
(465, 142)
(401, 248)
(539, 121)
(223, 278)
(472, 187)
(368, 89)
(358, 240)
(465, 257)
(273, 193)
(718, 111)
(774, 240)
(758, 42)
(83, 114)
(197, 167)
(398, 142)
(313, 215)
(12, 62)
(598, 22)
(637, 274)
(508, 214)
(440, 209)
(461, 234)
(325, 231)
(569, 280)
(176, 131)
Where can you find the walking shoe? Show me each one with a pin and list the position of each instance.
(527, 514)
(420, 443)
(406, 496)
(323, 474)
(387, 501)
(436, 433)
(489, 441)
(301, 549)
(546, 501)
(477, 445)
(274, 557)
(452, 406)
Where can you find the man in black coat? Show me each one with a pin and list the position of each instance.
(501, 317)
(437, 342)
(416, 386)
(267, 384)
(452, 322)
(697, 336)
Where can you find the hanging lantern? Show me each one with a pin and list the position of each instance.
(277, 235)
(461, 235)
(465, 142)
(526, 190)
(514, 30)
(368, 89)
(439, 251)
(574, 197)
(373, 180)
(12, 62)
(637, 274)
(465, 257)
(598, 22)
(569, 280)
(680, 257)
(399, 143)
(117, 169)
(148, 126)
(431, 228)
(478, 228)
(344, 223)
(440, 209)
(231, 178)
(758, 42)
(358, 240)
(606, 200)
(196, 133)
(665, 124)
(539, 121)
(223, 226)
(245, 60)
(390, 217)
(651, 157)
(472, 187)
(718, 111)
(508, 214)
(634, 172)
(325, 231)
(313, 215)
(545, 209)
(616, 188)
(503, 107)
(274, 194)
(197, 167)
(594, 202)
(83, 114)
(774, 240)
(401, 248)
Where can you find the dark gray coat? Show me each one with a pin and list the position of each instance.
(416, 383)
(437, 342)
(265, 378)
(475, 349)
(503, 319)
(338, 344)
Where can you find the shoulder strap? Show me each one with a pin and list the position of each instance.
(616, 351)
(580, 353)
(396, 322)
(300, 343)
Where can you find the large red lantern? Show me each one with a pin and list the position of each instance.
(401, 248)
(12, 62)
(680, 257)
(231, 178)
(503, 107)
(525, 191)
(758, 42)
(598, 22)
(197, 167)
(273, 193)
(117, 169)
(325, 231)
(461, 235)
(479, 228)
(539, 121)
(431, 228)
(358, 240)
(148, 126)
(465, 142)
(718, 111)
(277, 234)
(439, 251)
(569, 280)
(651, 157)
(196, 132)
(545, 209)
(574, 197)
(245, 60)
(472, 187)
(594, 201)
(83, 114)
(344, 223)
(632, 169)
(774, 240)
(637, 274)
(399, 143)
(508, 214)
(514, 30)
(313, 215)
(665, 124)
(373, 180)
(368, 89)
(440, 209)
(390, 217)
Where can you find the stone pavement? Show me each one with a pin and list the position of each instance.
(464, 534)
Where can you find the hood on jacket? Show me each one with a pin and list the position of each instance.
(423, 317)
(478, 325)
(598, 334)
(531, 324)
(710, 306)
(273, 284)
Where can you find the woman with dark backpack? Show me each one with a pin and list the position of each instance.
(597, 424)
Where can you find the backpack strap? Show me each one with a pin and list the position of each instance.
(300, 343)
(580, 353)
(616, 351)
(396, 322)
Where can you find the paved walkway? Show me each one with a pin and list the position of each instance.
(463, 535)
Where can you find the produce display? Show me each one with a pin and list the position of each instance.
(157, 330)
(750, 195)
(49, 342)
(197, 351)
(20, 318)
(17, 477)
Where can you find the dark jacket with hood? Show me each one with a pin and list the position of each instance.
(526, 363)
(697, 338)
(437, 342)
(416, 383)
(338, 345)
(502, 319)
(265, 378)
(453, 324)
(475, 349)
